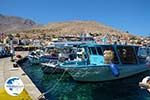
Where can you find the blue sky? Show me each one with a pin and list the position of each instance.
(126, 15)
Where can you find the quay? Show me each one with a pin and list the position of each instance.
(7, 70)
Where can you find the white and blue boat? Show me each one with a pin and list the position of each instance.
(33, 57)
(65, 53)
(90, 64)
(40, 56)
(3, 51)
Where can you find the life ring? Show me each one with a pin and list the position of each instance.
(145, 84)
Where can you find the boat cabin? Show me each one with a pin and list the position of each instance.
(95, 54)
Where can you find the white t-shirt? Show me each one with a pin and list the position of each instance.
(12, 52)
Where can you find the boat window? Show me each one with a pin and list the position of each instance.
(109, 47)
(92, 50)
(136, 49)
(79, 49)
(127, 54)
(99, 50)
(148, 51)
(89, 39)
(81, 53)
(142, 52)
(32, 53)
(1, 48)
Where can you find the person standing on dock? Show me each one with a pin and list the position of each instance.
(12, 51)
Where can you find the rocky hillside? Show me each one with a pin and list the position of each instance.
(75, 27)
(13, 23)
(30, 28)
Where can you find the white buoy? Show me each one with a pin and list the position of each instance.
(145, 84)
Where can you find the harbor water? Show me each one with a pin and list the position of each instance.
(63, 87)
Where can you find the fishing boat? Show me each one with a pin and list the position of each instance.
(4, 51)
(33, 57)
(73, 40)
(65, 53)
(42, 56)
(51, 68)
(104, 63)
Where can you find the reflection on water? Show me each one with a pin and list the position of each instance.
(68, 89)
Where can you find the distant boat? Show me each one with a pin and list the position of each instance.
(90, 65)
(3, 51)
(51, 68)
(33, 57)
(72, 40)
(64, 53)
(39, 56)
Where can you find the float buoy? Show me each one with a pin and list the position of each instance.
(114, 70)
(145, 84)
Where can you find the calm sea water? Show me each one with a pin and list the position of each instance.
(68, 89)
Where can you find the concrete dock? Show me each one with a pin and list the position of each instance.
(7, 70)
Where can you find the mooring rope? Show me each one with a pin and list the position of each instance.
(54, 68)
(52, 71)
(49, 90)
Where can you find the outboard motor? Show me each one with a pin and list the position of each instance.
(114, 69)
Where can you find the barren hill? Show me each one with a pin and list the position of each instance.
(13, 23)
(30, 28)
(76, 27)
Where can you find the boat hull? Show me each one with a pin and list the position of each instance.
(38, 60)
(94, 74)
(48, 69)
(33, 60)
(47, 58)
